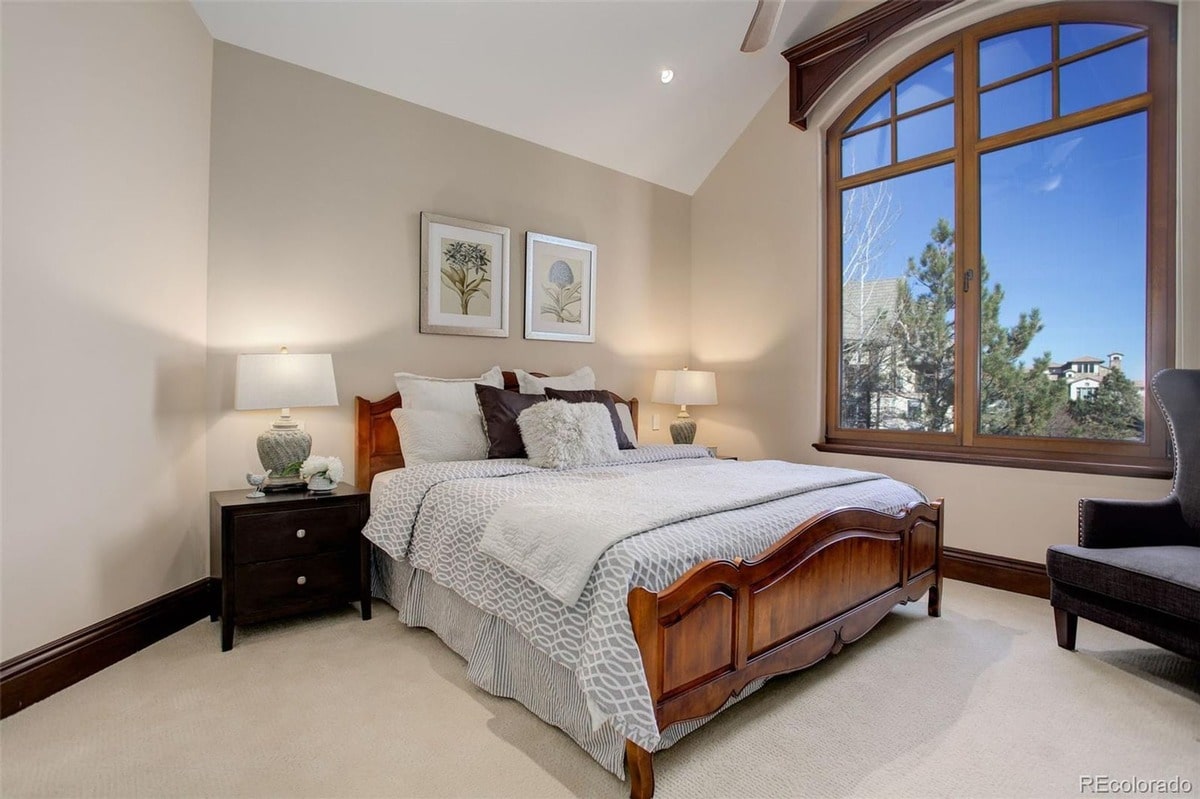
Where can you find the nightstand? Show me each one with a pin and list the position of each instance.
(288, 553)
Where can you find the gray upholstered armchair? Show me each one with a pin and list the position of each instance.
(1137, 566)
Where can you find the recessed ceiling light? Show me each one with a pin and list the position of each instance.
(667, 75)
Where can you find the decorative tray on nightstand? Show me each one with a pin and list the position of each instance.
(277, 484)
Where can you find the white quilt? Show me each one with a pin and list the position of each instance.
(556, 538)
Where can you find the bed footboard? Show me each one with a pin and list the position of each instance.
(724, 624)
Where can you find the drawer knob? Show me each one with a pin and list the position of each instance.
(301, 533)
(301, 580)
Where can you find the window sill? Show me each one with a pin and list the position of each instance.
(1158, 468)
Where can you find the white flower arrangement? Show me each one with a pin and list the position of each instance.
(323, 464)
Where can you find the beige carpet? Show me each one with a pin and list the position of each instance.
(978, 703)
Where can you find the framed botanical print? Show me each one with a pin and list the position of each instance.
(560, 288)
(464, 277)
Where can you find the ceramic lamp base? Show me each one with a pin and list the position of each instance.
(280, 448)
(683, 431)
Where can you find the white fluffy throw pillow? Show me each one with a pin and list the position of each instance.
(562, 435)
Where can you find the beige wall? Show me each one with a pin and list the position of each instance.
(317, 189)
(105, 216)
(757, 310)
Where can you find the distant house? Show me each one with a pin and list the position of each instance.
(868, 308)
(878, 389)
(1083, 374)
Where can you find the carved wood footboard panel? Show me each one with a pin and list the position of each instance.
(724, 624)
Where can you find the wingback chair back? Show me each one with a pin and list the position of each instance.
(1178, 394)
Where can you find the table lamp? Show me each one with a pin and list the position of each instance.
(683, 388)
(284, 381)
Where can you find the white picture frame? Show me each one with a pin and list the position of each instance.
(464, 277)
(560, 288)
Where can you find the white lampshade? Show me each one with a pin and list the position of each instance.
(284, 380)
(684, 387)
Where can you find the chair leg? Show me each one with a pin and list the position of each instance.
(1065, 625)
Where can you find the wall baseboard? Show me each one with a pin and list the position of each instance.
(996, 571)
(37, 674)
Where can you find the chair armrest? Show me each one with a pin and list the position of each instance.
(1107, 523)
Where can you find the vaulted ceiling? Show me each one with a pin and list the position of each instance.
(579, 76)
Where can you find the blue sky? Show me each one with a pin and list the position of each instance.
(1063, 221)
(1064, 229)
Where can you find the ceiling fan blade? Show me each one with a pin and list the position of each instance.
(762, 26)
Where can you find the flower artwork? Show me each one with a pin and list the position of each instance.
(466, 274)
(464, 277)
(560, 288)
(563, 292)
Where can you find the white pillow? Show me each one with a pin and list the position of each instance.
(436, 436)
(580, 380)
(562, 435)
(420, 393)
(626, 417)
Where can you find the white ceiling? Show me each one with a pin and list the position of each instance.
(579, 76)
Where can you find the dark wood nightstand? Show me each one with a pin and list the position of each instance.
(288, 553)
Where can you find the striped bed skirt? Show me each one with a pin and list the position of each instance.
(504, 663)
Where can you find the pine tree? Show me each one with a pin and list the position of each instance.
(1025, 405)
(1115, 411)
(1015, 400)
(925, 327)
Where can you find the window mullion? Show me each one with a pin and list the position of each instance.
(1054, 90)
(967, 245)
(918, 164)
(1079, 119)
(833, 287)
(895, 141)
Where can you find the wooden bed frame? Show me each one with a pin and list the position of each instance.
(724, 624)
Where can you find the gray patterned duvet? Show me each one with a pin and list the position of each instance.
(434, 515)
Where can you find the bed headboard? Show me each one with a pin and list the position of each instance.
(377, 444)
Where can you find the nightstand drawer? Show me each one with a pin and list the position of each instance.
(291, 534)
(295, 583)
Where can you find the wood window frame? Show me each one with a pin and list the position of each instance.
(1149, 458)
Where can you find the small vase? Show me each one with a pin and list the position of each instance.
(321, 482)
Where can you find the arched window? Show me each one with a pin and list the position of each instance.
(1001, 227)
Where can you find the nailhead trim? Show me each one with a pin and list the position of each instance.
(1174, 451)
(1080, 536)
(1170, 430)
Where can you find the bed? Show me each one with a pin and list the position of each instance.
(653, 651)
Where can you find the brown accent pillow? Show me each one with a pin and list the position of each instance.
(500, 409)
(605, 399)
